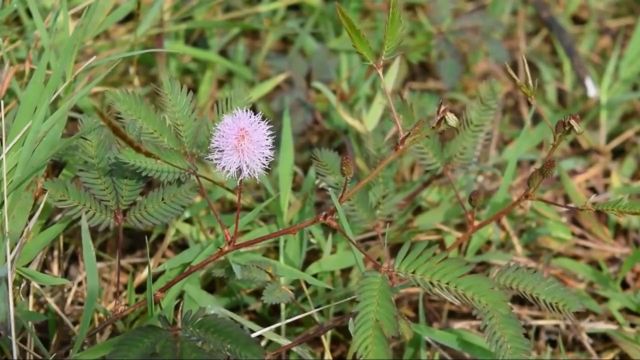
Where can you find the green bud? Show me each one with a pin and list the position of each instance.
(535, 179)
(451, 119)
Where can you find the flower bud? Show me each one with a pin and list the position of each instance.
(476, 198)
(547, 168)
(535, 179)
(346, 166)
(451, 119)
(560, 127)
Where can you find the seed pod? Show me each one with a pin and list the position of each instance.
(547, 168)
(346, 166)
(535, 179)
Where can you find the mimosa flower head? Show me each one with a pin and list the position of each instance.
(242, 145)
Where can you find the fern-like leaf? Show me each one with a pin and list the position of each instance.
(548, 293)
(327, 164)
(152, 167)
(619, 206)
(143, 343)
(220, 334)
(200, 337)
(377, 318)
(77, 201)
(465, 148)
(153, 127)
(160, 205)
(429, 153)
(179, 109)
(449, 278)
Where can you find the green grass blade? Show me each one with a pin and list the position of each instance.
(92, 284)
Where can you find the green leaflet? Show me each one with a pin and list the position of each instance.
(450, 279)
(358, 40)
(547, 293)
(377, 318)
(393, 30)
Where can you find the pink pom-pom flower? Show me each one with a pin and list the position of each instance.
(242, 145)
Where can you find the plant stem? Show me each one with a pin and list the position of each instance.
(310, 334)
(394, 113)
(374, 262)
(394, 155)
(467, 214)
(527, 195)
(237, 222)
(203, 193)
(568, 207)
(497, 216)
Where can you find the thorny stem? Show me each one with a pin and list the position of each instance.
(237, 222)
(203, 193)
(387, 93)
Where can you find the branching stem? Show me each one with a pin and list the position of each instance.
(387, 93)
(332, 224)
(528, 194)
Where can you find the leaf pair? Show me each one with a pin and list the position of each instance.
(392, 34)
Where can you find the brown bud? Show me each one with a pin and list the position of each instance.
(346, 166)
(476, 198)
(535, 179)
(560, 127)
(547, 168)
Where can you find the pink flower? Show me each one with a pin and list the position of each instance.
(242, 145)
